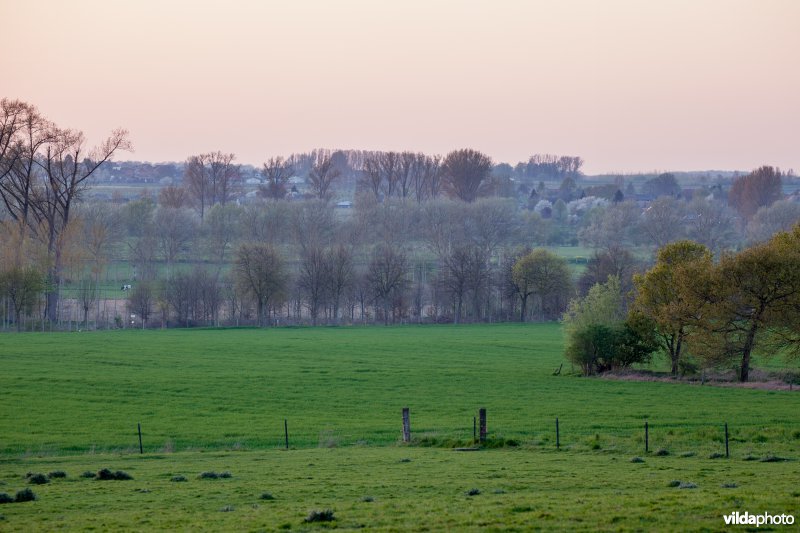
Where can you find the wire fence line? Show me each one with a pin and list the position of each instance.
(741, 439)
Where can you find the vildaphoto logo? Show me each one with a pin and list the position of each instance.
(763, 519)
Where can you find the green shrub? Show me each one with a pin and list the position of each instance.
(57, 474)
(25, 495)
(5, 498)
(325, 515)
(107, 475)
(38, 479)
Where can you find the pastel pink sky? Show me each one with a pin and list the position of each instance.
(629, 85)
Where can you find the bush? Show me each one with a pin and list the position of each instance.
(38, 479)
(266, 496)
(5, 498)
(325, 515)
(88, 474)
(662, 452)
(773, 459)
(25, 495)
(367, 499)
(687, 485)
(674, 483)
(473, 492)
(178, 479)
(716, 455)
(729, 485)
(57, 474)
(637, 460)
(107, 475)
(225, 475)
(208, 475)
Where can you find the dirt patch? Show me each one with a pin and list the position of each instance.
(714, 381)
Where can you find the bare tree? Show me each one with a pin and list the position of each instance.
(312, 279)
(373, 174)
(464, 172)
(260, 273)
(387, 276)
(322, 175)
(174, 197)
(67, 165)
(464, 271)
(176, 229)
(663, 221)
(211, 179)
(277, 172)
(712, 223)
(341, 273)
(141, 300)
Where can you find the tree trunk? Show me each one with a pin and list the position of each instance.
(744, 371)
(523, 307)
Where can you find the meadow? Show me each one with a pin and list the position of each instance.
(216, 400)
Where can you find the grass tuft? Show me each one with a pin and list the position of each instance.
(770, 458)
(637, 460)
(266, 496)
(88, 474)
(107, 475)
(729, 485)
(38, 479)
(25, 495)
(687, 485)
(57, 474)
(473, 492)
(178, 479)
(662, 452)
(674, 483)
(325, 515)
(717, 455)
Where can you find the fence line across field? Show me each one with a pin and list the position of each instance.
(405, 435)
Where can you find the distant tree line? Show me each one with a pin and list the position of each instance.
(426, 238)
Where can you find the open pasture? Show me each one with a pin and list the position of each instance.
(216, 400)
(232, 389)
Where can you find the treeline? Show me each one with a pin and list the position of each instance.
(699, 312)
(426, 238)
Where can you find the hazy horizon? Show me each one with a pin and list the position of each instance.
(628, 86)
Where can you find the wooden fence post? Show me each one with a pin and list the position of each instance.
(286, 432)
(141, 449)
(482, 415)
(406, 425)
(727, 453)
(558, 439)
(646, 437)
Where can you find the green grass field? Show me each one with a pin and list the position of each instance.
(217, 399)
